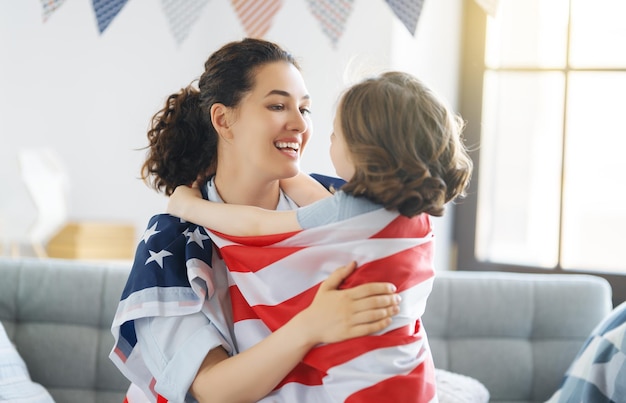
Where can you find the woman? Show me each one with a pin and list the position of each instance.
(400, 151)
(239, 133)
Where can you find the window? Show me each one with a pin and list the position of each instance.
(544, 95)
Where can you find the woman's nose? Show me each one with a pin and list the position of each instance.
(298, 122)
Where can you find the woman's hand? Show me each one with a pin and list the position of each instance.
(180, 199)
(336, 315)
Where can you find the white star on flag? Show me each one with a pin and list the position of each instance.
(197, 237)
(158, 257)
(149, 232)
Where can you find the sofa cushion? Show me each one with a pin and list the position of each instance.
(58, 314)
(515, 333)
(15, 383)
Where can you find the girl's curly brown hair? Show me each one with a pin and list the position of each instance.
(405, 144)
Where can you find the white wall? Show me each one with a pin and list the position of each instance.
(90, 97)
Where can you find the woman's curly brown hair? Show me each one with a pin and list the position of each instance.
(405, 144)
(182, 141)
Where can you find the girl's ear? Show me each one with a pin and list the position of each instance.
(220, 118)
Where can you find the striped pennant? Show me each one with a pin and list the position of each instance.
(408, 11)
(256, 15)
(332, 15)
(106, 11)
(50, 6)
(182, 15)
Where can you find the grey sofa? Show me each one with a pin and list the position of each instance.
(515, 333)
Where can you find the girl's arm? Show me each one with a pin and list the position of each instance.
(334, 315)
(303, 189)
(188, 204)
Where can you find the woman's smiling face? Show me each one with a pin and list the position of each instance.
(272, 123)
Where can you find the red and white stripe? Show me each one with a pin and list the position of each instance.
(275, 277)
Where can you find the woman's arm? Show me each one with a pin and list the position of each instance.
(188, 204)
(303, 189)
(334, 315)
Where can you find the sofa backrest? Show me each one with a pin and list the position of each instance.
(58, 314)
(515, 333)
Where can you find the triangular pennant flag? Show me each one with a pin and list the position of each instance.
(106, 10)
(181, 16)
(49, 6)
(256, 15)
(332, 15)
(490, 6)
(408, 11)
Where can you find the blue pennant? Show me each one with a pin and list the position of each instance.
(106, 10)
(408, 11)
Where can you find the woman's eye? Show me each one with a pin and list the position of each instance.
(278, 107)
(305, 111)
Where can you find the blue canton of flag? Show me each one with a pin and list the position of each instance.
(159, 254)
(170, 253)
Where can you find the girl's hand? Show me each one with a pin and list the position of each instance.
(180, 199)
(336, 315)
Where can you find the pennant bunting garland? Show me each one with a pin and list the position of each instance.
(408, 11)
(106, 11)
(256, 15)
(490, 6)
(332, 15)
(181, 16)
(49, 6)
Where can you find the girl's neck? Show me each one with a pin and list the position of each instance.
(247, 190)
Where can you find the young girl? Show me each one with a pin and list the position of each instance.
(400, 151)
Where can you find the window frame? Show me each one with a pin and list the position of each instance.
(470, 107)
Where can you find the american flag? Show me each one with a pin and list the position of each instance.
(275, 277)
(270, 279)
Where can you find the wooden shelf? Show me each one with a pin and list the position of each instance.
(93, 240)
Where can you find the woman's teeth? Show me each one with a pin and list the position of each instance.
(285, 144)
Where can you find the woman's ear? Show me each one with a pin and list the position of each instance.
(220, 118)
